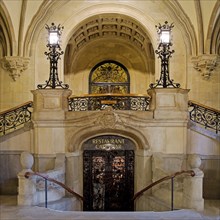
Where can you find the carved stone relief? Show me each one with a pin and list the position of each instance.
(109, 119)
(205, 64)
(15, 65)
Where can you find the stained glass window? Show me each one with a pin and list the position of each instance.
(109, 77)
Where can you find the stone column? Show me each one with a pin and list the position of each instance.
(193, 186)
(26, 187)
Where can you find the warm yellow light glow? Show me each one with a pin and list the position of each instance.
(53, 38)
(165, 37)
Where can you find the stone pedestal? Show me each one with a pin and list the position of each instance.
(50, 104)
(169, 103)
(50, 107)
(26, 186)
(193, 186)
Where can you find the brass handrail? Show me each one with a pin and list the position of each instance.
(28, 174)
(138, 194)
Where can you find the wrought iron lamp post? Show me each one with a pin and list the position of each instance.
(53, 55)
(164, 53)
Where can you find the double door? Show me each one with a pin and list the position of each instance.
(108, 180)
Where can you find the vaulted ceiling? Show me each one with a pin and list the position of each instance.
(116, 34)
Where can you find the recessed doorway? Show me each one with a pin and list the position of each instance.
(108, 174)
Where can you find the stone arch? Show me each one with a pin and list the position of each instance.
(212, 44)
(47, 10)
(86, 133)
(7, 36)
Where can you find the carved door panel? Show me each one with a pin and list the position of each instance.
(108, 180)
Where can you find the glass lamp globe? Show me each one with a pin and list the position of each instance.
(165, 37)
(53, 38)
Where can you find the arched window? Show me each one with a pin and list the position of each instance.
(109, 77)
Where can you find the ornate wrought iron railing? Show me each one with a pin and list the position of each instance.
(93, 102)
(15, 117)
(170, 177)
(205, 116)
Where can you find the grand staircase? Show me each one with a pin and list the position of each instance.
(16, 124)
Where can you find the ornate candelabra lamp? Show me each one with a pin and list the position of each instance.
(53, 55)
(164, 53)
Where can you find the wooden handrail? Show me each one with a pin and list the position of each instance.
(138, 194)
(109, 95)
(16, 107)
(28, 174)
(204, 106)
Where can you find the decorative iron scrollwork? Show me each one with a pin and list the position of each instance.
(117, 102)
(108, 174)
(109, 77)
(207, 117)
(13, 119)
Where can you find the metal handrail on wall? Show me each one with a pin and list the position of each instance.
(170, 177)
(15, 117)
(46, 178)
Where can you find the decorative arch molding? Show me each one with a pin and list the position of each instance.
(48, 8)
(103, 123)
(7, 36)
(87, 133)
(212, 44)
(45, 11)
(184, 24)
(200, 27)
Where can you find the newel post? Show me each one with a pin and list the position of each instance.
(193, 186)
(26, 187)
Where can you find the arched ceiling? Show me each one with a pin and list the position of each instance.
(114, 36)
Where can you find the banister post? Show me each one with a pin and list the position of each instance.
(193, 186)
(26, 187)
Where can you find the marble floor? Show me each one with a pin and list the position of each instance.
(10, 211)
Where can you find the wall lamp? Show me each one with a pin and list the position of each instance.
(164, 53)
(55, 51)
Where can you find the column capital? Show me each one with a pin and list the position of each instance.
(15, 65)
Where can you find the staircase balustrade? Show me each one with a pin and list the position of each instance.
(205, 116)
(46, 178)
(200, 114)
(170, 177)
(15, 117)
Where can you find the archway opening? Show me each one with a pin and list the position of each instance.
(108, 174)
